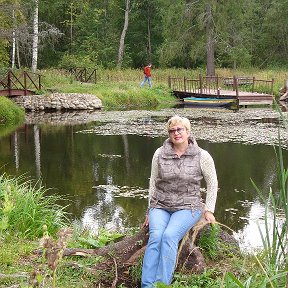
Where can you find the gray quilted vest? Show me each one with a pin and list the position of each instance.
(179, 179)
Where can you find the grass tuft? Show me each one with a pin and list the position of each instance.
(25, 209)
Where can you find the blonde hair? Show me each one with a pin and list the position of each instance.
(177, 120)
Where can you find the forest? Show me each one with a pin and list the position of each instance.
(41, 34)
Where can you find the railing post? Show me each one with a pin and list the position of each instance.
(25, 83)
(272, 86)
(9, 82)
(184, 84)
(200, 82)
(169, 82)
(217, 83)
(39, 82)
(235, 81)
(253, 84)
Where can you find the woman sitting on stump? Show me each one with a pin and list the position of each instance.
(175, 203)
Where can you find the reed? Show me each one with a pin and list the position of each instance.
(25, 209)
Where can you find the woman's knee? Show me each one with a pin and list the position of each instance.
(170, 237)
(155, 236)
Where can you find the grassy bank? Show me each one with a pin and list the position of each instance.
(120, 88)
(11, 116)
(122, 92)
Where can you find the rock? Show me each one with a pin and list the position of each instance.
(59, 101)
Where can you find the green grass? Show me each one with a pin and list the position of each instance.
(24, 209)
(120, 88)
(10, 113)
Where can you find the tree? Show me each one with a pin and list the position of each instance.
(210, 41)
(35, 38)
(123, 35)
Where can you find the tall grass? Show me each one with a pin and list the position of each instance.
(25, 209)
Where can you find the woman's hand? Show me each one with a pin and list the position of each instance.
(146, 221)
(209, 217)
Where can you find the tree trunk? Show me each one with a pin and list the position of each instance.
(13, 39)
(210, 42)
(35, 38)
(120, 256)
(149, 35)
(123, 35)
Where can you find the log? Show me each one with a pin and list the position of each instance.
(123, 249)
(121, 256)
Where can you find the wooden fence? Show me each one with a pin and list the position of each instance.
(84, 74)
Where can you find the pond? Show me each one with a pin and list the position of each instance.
(105, 178)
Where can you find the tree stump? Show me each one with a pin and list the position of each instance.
(121, 257)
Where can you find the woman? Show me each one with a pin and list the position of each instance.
(175, 203)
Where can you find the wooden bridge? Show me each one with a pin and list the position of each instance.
(245, 90)
(19, 83)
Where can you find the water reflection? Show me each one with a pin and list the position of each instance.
(93, 219)
(16, 150)
(37, 150)
(106, 178)
(249, 236)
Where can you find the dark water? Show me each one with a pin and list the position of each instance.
(105, 178)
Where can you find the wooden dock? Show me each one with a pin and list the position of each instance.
(246, 91)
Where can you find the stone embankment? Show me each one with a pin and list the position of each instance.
(59, 101)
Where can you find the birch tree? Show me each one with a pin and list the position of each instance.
(123, 35)
(35, 38)
(13, 39)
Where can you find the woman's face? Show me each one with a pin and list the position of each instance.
(178, 134)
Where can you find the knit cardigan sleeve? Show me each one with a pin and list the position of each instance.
(209, 174)
(154, 175)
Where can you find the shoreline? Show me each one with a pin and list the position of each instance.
(247, 126)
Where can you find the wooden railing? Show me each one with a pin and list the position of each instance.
(22, 82)
(84, 74)
(214, 84)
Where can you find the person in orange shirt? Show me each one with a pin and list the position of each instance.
(147, 76)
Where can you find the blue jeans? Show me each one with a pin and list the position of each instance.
(146, 78)
(166, 229)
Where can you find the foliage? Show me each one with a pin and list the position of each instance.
(73, 61)
(24, 209)
(209, 242)
(85, 240)
(246, 33)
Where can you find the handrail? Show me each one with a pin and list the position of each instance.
(24, 81)
(214, 84)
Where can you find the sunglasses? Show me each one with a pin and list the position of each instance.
(178, 130)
